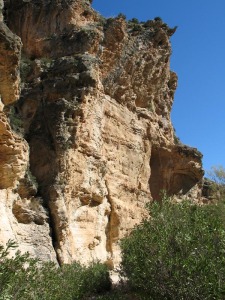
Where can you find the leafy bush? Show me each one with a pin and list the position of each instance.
(217, 177)
(25, 67)
(102, 21)
(15, 273)
(115, 295)
(158, 19)
(217, 174)
(15, 120)
(22, 277)
(179, 253)
(137, 27)
(121, 16)
(134, 21)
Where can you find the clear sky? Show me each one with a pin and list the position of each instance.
(198, 58)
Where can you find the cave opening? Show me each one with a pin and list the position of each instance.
(170, 172)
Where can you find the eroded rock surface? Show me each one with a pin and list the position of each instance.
(23, 217)
(95, 104)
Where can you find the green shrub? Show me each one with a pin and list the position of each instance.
(31, 178)
(115, 295)
(137, 27)
(17, 274)
(217, 184)
(217, 174)
(15, 120)
(102, 21)
(25, 68)
(158, 19)
(22, 277)
(177, 140)
(121, 16)
(134, 21)
(179, 253)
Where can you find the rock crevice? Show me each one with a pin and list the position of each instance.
(94, 107)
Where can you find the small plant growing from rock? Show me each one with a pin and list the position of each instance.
(25, 68)
(102, 21)
(31, 178)
(137, 27)
(15, 120)
(134, 21)
(121, 16)
(177, 140)
(158, 19)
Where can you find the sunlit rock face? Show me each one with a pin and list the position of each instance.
(23, 217)
(95, 106)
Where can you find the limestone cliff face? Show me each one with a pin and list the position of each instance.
(95, 104)
(23, 217)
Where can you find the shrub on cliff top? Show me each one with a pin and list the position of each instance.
(179, 253)
(121, 16)
(158, 19)
(134, 21)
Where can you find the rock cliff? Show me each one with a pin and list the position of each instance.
(91, 125)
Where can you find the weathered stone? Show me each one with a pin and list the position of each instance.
(175, 170)
(23, 218)
(24, 221)
(96, 102)
(13, 155)
(10, 46)
(62, 34)
(1, 8)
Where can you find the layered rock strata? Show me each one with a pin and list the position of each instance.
(96, 100)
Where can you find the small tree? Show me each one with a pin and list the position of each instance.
(217, 174)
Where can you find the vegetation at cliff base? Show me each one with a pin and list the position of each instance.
(22, 277)
(179, 253)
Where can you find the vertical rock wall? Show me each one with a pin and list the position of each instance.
(23, 217)
(95, 104)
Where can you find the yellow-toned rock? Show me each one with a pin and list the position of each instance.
(23, 217)
(10, 47)
(96, 103)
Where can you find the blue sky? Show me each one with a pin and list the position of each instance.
(198, 59)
